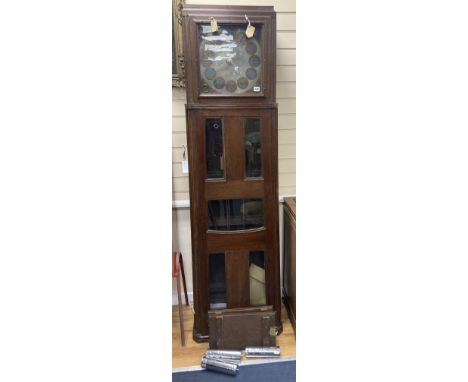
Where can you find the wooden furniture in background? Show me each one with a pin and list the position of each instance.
(289, 259)
(177, 271)
(232, 135)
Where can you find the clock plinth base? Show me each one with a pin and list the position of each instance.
(198, 337)
(279, 329)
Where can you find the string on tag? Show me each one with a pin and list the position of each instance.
(183, 154)
(214, 24)
(249, 32)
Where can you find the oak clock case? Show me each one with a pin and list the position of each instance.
(233, 160)
(225, 66)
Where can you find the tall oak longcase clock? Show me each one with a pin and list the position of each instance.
(232, 118)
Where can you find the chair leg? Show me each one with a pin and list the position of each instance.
(181, 315)
(183, 279)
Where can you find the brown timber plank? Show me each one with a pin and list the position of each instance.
(235, 189)
(237, 279)
(236, 240)
(235, 151)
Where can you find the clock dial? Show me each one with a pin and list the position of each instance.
(230, 63)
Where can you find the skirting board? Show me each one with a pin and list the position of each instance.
(186, 203)
(189, 294)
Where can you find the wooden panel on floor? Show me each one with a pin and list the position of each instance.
(191, 354)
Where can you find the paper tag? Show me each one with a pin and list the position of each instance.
(214, 25)
(249, 32)
(185, 166)
(256, 89)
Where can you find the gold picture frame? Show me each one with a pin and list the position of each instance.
(178, 72)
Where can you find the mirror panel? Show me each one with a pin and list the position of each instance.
(217, 281)
(214, 148)
(253, 149)
(235, 214)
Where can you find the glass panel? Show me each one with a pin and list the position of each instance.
(214, 148)
(230, 63)
(235, 214)
(217, 286)
(253, 149)
(257, 278)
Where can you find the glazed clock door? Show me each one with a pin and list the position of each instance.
(229, 62)
(233, 157)
(227, 65)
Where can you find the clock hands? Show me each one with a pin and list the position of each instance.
(236, 68)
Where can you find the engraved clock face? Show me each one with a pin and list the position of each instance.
(230, 63)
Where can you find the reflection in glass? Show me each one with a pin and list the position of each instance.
(257, 278)
(217, 286)
(214, 148)
(235, 214)
(253, 150)
(229, 62)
